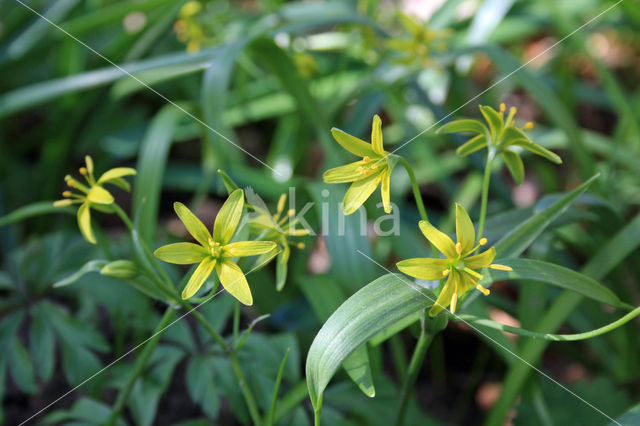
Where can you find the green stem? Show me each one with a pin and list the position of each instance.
(246, 391)
(276, 389)
(419, 352)
(208, 327)
(485, 193)
(149, 347)
(317, 412)
(291, 400)
(415, 188)
(546, 336)
(418, 198)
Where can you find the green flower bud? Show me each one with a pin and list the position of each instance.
(120, 269)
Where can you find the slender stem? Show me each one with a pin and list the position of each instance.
(416, 189)
(276, 388)
(123, 216)
(317, 412)
(485, 192)
(203, 321)
(246, 391)
(418, 198)
(419, 352)
(123, 395)
(291, 400)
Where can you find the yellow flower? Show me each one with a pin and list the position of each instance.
(500, 136)
(459, 264)
(280, 229)
(93, 195)
(215, 251)
(419, 44)
(375, 168)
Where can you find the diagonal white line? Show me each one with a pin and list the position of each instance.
(507, 76)
(411, 285)
(136, 347)
(149, 87)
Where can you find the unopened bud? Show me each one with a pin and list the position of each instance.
(120, 269)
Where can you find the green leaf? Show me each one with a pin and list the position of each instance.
(517, 241)
(630, 418)
(35, 209)
(151, 164)
(201, 385)
(21, 368)
(550, 273)
(375, 307)
(90, 266)
(42, 344)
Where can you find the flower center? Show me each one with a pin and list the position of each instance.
(214, 248)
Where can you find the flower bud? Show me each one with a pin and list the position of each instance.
(120, 269)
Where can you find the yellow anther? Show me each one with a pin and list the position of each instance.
(374, 166)
(70, 183)
(83, 171)
(500, 267)
(281, 201)
(446, 272)
(359, 169)
(483, 241)
(368, 172)
(528, 126)
(291, 212)
(458, 248)
(366, 159)
(300, 245)
(503, 107)
(66, 194)
(483, 290)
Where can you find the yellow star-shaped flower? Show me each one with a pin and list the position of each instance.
(93, 194)
(459, 264)
(215, 251)
(374, 168)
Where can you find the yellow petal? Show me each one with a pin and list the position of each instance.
(385, 192)
(424, 269)
(228, 217)
(444, 299)
(438, 239)
(358, 193)
(352, 144)
(199, 276)
(181, 253)
(376, 135)
(234, 281)
(481, 260)
(248, 248)
(118, 172)
(347, 173)
(84, 223)
(194, 225)
(99, 195)
(465, 231)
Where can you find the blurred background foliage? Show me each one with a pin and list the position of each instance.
(274, 77)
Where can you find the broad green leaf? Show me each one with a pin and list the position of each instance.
(517, 241)
(550, 273)
(376, 306)
(42, 344)
(128, 86)
(324, 303)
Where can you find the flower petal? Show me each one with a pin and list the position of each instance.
(465, 125)
(234, 281)
(438, 239)
(84, 223)
(495, 121)
(346, 173)
(472, 145)
(99, 195)
(376, 135)
(118, 172)
(228, 217)
(358, 193)
(352, 144)
(465, 231)
(248, 248)
(481, 260)
(181, 253)
(199, 276)
(444, 299)
(384, 190)
(514, 164)
(423, 268)
(194, 225)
